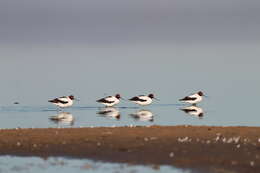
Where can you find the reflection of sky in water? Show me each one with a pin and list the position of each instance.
(92, 48)
(227, 73)
(171, 49)
(157, 114)
(57, 164)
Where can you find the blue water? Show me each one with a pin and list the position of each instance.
(221, 71)
(66, 165)
(87, 48)
(18, 116)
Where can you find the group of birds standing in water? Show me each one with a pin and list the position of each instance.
(109, 101)
(142, 100)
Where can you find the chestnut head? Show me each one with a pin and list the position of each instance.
(72, 97)
(118, 96)
(151, 96)
(200, 93)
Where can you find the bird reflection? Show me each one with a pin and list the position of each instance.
(194, 111)
(143, 115)
(65, 118)
(110, 112)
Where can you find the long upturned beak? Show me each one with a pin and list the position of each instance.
(156, 99)
(76, 99)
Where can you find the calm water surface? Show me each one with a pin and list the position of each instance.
(124, 115)
(230, 81)
(66, 165)
(87, 48)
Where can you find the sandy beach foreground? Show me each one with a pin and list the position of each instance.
(204, 148)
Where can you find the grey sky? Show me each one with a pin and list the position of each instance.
(87, 48)
(132, 21)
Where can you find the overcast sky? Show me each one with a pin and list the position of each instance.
(50, 48)
(131, 21)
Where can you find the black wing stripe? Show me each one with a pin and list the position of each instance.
(58, 101)
(103, 100)
(188, 99)
(137, 99)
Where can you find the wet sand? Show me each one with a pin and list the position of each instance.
(204, 148)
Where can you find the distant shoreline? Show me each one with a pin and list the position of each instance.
(199, 147)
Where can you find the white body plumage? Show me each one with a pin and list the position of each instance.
(110, 100)
(142, 99)
(63, 102)
(193, 99)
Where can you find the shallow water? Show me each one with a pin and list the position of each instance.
(221, 71)
(124, 115)
(66, 165)
(88, 48)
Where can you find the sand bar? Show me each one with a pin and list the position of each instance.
(218, 149)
